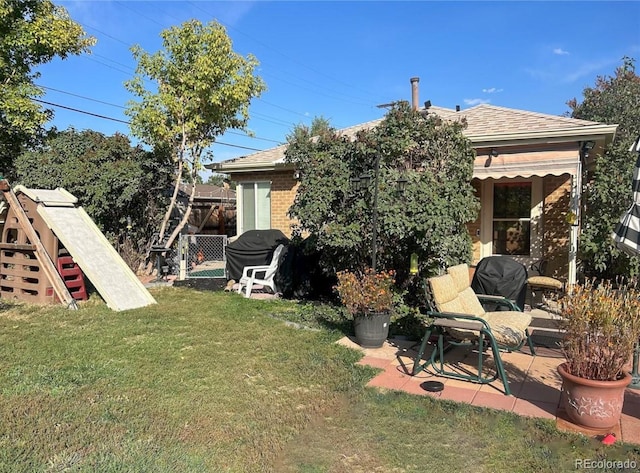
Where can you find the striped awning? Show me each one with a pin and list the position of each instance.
(527, 164)
(627, 233)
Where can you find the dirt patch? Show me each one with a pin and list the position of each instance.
(203, 284)
(328, 445)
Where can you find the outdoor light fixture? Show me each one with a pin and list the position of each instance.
(492, 154)
(587, 146)
(297, 174)
(362, 182)
(365, 179)
(401, 183)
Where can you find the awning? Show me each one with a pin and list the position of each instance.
(626, 235)
(534, 163)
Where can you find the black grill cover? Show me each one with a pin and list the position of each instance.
(501, 276)
(253, 248)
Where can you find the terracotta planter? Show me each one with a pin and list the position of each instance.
(371, 329)
(591, 403)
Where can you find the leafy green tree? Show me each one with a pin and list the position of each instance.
(217, 179)
(318, 126)
(119, 185)
(32, 32)
(202, 88)
(428, 218)
(607, 192)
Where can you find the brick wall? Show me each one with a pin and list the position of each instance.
(555, 240)
(474, 227)
(556, 192)
(555, 245)
(283, 191)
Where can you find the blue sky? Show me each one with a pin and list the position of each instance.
(340, 59)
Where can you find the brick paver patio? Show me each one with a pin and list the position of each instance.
(534, 381)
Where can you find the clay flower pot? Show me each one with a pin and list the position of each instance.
(592, 403)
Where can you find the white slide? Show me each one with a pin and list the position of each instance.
(100, 262)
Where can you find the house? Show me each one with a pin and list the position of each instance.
(527, 175)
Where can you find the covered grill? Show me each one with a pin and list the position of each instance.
(501, 276)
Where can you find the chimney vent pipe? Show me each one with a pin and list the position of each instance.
(457, 108)
(414, 93)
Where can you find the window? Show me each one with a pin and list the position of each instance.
(256, 206)
(512, 218)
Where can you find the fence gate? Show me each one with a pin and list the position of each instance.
(203, 256)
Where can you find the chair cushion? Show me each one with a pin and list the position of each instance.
(460, 276)
(443, 290)
(470, 303)
(545, 282)
(508, 327)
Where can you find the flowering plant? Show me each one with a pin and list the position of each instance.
(366, 293)
(601, 324)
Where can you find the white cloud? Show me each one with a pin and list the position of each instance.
(473, 102)
(492, 90)
(560, 52)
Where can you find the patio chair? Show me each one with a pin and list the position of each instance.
(545, 290)
(459, 319)
(263, 275)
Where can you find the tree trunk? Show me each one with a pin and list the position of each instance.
(185, 217)
(172, 204)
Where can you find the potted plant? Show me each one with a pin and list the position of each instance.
(368, 297)
(601, 324)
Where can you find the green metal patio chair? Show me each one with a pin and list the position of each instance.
(459, 319)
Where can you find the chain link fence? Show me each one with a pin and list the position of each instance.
(202, 256)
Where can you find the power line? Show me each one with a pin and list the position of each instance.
(349, 98)
(104, 117)
(122, 107)
(81, 111)
(80, 96)
(294, 60)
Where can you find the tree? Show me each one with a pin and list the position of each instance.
(202, 89)
(217, 179)
(319, 125)
(429, 218)
(119, 186)
(32, 32)
(607, 192)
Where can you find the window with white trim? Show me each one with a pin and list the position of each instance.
(512, 218)
(255, 206)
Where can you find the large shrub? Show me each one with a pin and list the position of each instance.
(116, 183)
(429, 218)
(607, 193)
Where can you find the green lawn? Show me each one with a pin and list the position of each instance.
(210, 381)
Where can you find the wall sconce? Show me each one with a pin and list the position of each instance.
(587, 146)
(297, 174)
(492, 154)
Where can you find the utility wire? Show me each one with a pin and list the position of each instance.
(104, 117)
(122, 107)
(294, 60)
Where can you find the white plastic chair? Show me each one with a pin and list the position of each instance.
(250, 273)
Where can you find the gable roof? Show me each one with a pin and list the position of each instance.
(487, 125)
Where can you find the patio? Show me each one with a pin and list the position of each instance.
(534, 381)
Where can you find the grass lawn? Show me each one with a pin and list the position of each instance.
(213, 382)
